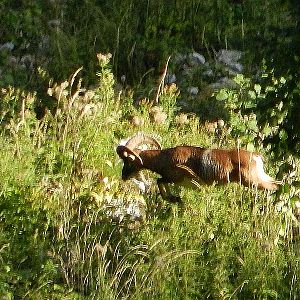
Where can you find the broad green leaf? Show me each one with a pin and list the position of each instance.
(267, 130)
(222, 95)
(270, 89)
(257, 88)
(239, 79)
(250, 147)
(283, 135)
(252, 125)
(252, 94)
(282, 80)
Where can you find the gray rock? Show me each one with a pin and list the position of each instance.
(196, 58)
(234, 69)
(7, 46)
(193, 90)
(187, 71)
(27, 61)
(179, 58)
(223, 82)
(208, 73)
(44, 44)
(12, 60)
(54, 23)
(170, 78)
(230, 59)
(229, 56)
(118, 209)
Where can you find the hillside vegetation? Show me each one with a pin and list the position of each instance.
(70, 228)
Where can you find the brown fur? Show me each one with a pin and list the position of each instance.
(198, 166)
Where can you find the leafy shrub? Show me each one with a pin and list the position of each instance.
(263, 113)
(63, 236)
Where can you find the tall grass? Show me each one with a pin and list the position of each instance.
(64, 228)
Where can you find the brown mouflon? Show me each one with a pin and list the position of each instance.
(193, 165)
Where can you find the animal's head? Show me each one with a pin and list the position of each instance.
(130, 155)
(132, 162)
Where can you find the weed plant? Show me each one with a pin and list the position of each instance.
(65, 230)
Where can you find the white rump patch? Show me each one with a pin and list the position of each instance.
(260, 169)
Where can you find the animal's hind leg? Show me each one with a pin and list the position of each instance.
(165, 192)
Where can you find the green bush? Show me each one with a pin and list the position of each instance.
(62, 232)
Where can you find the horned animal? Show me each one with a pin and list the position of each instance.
(193, 165)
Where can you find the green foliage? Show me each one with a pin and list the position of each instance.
(65, 230)
(280, 108)
(240, 105)
(62, 36)
(263, 113)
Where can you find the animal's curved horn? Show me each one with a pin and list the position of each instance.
(141, 138)
(125, 153)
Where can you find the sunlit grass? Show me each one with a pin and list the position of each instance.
(65, 230)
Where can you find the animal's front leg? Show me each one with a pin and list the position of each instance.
(165, 192)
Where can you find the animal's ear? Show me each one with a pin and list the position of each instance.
(127, 154)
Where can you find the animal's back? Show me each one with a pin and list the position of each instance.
(210, 165)
(207, 165)
(213, 165)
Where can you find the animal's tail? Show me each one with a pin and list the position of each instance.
(264, 181)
